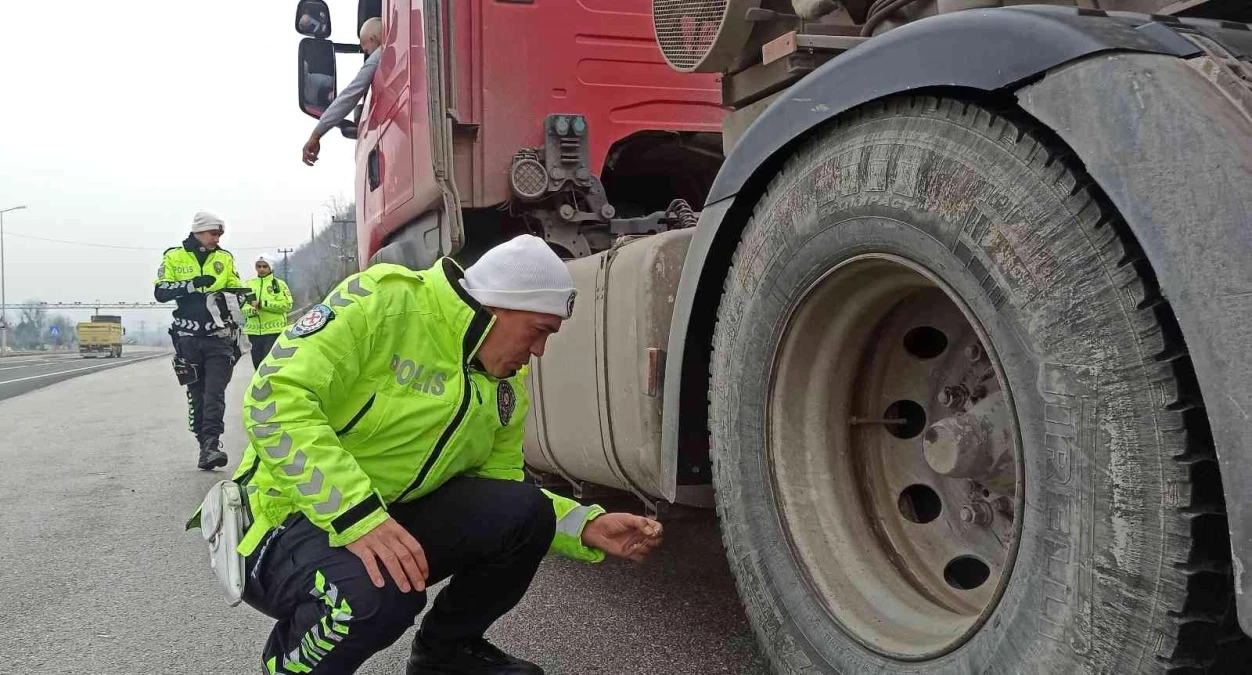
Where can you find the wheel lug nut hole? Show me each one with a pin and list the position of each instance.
(965, 573)
(913, 414)
(919, 504)
(925, 342)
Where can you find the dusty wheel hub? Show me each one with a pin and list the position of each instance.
(895, 457)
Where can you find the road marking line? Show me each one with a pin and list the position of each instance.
(35, 364)
(76, 370)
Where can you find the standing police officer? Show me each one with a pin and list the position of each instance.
(205, 329)
(266, 309)
(386, 455)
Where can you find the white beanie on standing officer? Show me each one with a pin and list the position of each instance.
(205, 221)
(523, 274)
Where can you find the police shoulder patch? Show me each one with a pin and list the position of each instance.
(219, 267)
(506, 402)
(313, 320)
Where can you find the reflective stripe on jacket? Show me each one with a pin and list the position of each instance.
(373, 398)
(275, 300)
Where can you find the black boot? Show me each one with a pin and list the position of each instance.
(472, 658)
(211, 455)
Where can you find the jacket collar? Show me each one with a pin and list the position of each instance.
(460, 309)
(193, 246)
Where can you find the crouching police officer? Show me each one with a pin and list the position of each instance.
(205, 329)
(385, 455)
(266, 309)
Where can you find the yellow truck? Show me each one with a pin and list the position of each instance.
(101, 335)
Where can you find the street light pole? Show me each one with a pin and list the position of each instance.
(4, 318)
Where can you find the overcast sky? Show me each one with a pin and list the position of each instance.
(120, 120)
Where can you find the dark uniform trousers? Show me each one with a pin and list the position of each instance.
(488, 535)
(206, 397)
(261, 346)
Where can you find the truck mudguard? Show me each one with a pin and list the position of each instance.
(1194, 139)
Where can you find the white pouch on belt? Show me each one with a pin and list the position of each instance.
(221, 523)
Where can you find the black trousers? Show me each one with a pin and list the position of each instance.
(487, 535)
(261, 345)
(206, 397)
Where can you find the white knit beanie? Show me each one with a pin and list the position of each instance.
(266, 258)
(205, 221)
(524, 274)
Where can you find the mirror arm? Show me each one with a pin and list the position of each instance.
(341, 48)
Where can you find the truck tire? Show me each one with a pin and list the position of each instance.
(928, 278)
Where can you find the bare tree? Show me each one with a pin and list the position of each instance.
(66, 331)
(32, 318)
(35, 313)
(330, 256)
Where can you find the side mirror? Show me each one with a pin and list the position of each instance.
(313, 19)
(317, 76)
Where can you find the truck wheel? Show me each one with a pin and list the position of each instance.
(954, 426)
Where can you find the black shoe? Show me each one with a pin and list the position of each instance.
(473, 658)
(211, 455)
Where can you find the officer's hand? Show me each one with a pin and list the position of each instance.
(204, 281)
(624, 535)
(399, 552)
(311, 148)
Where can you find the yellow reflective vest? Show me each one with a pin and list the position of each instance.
(373, 398)
(200, 310)
(275, 300)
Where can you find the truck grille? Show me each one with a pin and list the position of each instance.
(687, 30)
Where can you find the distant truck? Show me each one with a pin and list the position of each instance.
(102, 335)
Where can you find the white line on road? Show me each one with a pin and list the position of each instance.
(34, 364)
(66, 372)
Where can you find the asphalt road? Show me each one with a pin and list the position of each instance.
(99, 576)
(20, 374)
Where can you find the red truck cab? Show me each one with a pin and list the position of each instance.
(558, 118)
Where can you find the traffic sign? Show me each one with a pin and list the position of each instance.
(54, 331)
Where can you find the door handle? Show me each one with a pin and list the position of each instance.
(373, 170)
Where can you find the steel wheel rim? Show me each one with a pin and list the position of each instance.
(866, 552)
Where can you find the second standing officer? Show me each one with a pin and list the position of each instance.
(267, 309)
